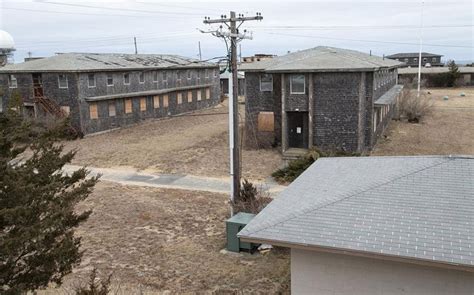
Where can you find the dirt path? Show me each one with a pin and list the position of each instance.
(191, 144)
(448, 130)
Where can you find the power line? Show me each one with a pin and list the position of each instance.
(366, 27)
(368, 41)
(75, 13)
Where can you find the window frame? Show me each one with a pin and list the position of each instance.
(140, 76)
(164, 76)
(206, 73)
(291, 84)
(59, 81)
(190, 75)
(89, 81)
(155, 77)
(271, 82)
(113, 106)
(111, 76)
(10, 81)
(125, 79)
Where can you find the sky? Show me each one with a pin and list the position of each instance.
(45, 27)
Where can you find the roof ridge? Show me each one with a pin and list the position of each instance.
(342, 198)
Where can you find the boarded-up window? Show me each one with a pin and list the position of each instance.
(199, 93)
(156, 101)
(142, 104)
(190, 96)
(266, 121)
(112, 111)
(208, 93)
(93, 112)
(180, 98)
(128, 106)
(66, 110)
(165, 100)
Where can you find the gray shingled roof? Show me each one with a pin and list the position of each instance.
(86, 62)
(416, 208)
(434, 70)
(412, 54)
(321, 59)
(390, 96)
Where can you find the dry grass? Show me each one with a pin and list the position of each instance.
(195, 145)
(447, 130)
(156, 240)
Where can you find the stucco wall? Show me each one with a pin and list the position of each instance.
(323, 273)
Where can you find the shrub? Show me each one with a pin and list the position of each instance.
(414, 108)
(251, 199)
(95, 286)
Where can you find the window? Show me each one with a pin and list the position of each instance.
(165, 78)
(142, 104)
(199, 75)
(180, 98)
(62, 80)
(433, 59)
(128, 106)
(110, 80)
(165, 100)
(156, 101)
(406, 59)
(190, 74)
(112, 110)
(206, 73)
(155, 76)
(91, 80)
(93, 113)
(415, 59)
(178, 76)
(12, 82)
(266, 82)
(141, 77)
(266, 121)
(208, 93)
(199, 94)
(190, 96)
(126, 79)
(297, 84)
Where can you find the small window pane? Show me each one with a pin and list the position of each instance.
(12, 82)
(297, 84)
(126, 79)
(142, 77)
(91, 80)
(62, 81)
(155, 76)
(110, 80)
(165, 76)
(266, 82)
(112, 110)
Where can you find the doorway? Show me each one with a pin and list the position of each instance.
(38, 85)
(297, 129)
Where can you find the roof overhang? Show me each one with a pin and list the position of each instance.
(358, 253)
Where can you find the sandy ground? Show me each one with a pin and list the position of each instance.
(194, 144)
(448, 130)
(156, 240)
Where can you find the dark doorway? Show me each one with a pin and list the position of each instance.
(38, 85)
(297, 129)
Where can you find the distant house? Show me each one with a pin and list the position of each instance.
(104, 91)
(326, 97)
(376, 225)
(257, 57)
(428, 76)
(411, 59)
(224, 77)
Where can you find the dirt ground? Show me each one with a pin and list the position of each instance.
(449, 129)
(155, 240)
(194, 144)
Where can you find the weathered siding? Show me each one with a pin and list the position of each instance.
(324, 273)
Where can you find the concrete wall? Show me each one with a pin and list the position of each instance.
(323, 273)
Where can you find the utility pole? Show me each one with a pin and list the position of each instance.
(135, 42)
(234, 143)
(421, 49)
(200, 54)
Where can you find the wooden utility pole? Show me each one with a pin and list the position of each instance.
(200, 54)
(234, 143)
(135, 42)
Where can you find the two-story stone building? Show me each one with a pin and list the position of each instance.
(330, 98)
(105, 91)
(411, 59)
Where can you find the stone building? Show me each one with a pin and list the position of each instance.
(105, 91)
(411, 59)
(330, 98)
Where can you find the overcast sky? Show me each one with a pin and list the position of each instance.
(44, 27)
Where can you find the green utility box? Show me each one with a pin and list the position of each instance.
(233, 225)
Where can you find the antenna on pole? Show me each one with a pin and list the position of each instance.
(135, 42)
(421, 49)
(200, 54)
